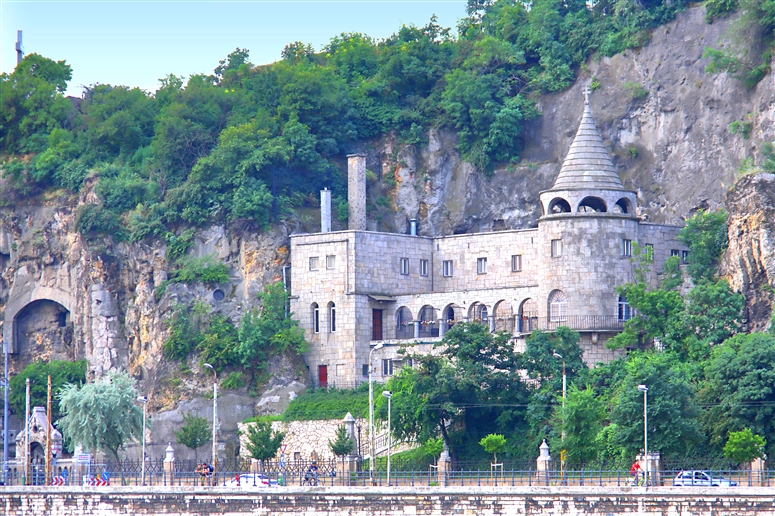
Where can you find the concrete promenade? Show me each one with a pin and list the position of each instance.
(383, 501)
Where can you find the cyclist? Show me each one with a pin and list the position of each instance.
(311, 476)
(635, 473)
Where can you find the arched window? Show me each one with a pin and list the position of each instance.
(558, 205)
(483, 314)
(404, 327)
(622, 206)
(558, 306)
(332, 316)
(625, 310)
(315, 318)
(592, 205)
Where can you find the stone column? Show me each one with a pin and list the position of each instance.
(543, 464)
(443, 465)
(491, 322)
(416, 329)
(169, 463)
(442, 327)
(654, 464)
(356, 191)
(350, 462)
(758, 467)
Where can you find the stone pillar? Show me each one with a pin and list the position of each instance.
(543, 464)
(651, 464)
(491, 322)
(169, 463)
(443, 466)
(356, 191)
(758, 467)
(349, 425)
(325, 210)
(416, 329)
(442, 327)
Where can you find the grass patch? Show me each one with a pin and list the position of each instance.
(330, 404)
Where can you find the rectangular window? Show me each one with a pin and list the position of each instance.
(447, 268)
(314, 263)
(556, 247)
(387, 367)
(674, 252)
(626, 247)
(516, 262)
(365, 370)
(481, 265)
(404, 266)
(331, 261)
(649, 248)
(685, 256)
(423, 267)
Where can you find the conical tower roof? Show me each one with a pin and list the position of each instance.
(587, 165)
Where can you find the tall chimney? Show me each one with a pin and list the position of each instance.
(325, 210)
(356, 191)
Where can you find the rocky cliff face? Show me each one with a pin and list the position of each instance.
(749, 263)
(665, 122)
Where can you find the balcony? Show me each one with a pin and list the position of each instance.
(574, 322)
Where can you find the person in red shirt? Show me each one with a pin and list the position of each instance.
(635, 471)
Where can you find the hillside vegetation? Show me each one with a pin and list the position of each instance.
(254, 143)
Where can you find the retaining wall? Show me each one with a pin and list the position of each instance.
(336, 501)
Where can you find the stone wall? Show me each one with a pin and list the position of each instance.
(430, 501)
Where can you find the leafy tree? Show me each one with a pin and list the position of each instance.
(101, 415)
(705, 235)
(62, 373)
(194, 433)
(493, 443)
(744, 446)
(342, 445)
(262, 442)
(737, 387)
(581, 420)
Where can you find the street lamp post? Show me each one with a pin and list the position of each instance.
(215, 422)
(564, 392)
(371, 413)
(144, 401)
(645, 391)
(389, 396)
(6, 435)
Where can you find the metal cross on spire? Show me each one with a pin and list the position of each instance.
(587, 92)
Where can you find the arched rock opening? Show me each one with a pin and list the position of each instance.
(43, 328)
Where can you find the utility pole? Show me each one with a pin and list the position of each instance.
(6, 435)
(19, 49)
(48, 434)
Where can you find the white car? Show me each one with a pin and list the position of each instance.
(251, 481)
(701, 478)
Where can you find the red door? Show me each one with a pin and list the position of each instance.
(376, 324)
(322, 376)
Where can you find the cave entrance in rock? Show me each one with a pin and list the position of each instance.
(44, 328)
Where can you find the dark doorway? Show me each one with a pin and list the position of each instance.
(376, 324)
(322, 376)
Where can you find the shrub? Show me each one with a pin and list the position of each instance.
(329, 404)
(205, 270)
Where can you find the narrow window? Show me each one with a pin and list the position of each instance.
(481, 265)
(423, 267)
(626, 247)
(625, 311)
(365, 370)
(331, 261)
(674, 252)
(516, 262)
(483, 314)
(315, 318)
(447, 268)
(649, 249)
(404, 266)
(409, 362)
(314, 263)
(685, 256)
(332, 316)
(556, 248)
(387, 367)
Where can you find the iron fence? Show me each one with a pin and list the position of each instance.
(574, 322)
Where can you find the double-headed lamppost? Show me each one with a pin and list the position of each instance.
(371, 413)
(215, 421)
(389, 396)
(144, 401)
(564, 392)
(645, 391)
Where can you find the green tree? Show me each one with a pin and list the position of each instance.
(342, 445)
(62, 372)
(705, 235)
(738, 387)
(581, 420)
(744, 446)
(101, 415)
(262, 442)
(194, 433)
(493, 443)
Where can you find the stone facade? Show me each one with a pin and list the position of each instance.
(355, 289)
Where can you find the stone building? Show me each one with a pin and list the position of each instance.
(353, 290)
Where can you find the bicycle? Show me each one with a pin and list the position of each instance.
(310, 480)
